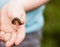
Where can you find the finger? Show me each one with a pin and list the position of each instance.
(20, 35)
(2, 35)
(10, 42)
(8, 46)
(21, 32)
(7, 36)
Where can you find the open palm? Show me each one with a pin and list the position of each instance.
(17, 32)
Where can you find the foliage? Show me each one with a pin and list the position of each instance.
(51, 33)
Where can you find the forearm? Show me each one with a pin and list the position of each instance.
(32, 4)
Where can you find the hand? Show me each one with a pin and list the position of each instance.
(17, 32)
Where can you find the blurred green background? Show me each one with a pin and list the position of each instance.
(51, 33)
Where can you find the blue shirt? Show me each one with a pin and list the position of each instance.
(34, 19)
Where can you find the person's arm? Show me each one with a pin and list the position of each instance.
(32, 4)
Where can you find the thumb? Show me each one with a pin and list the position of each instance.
(11, 41)
(20, 35)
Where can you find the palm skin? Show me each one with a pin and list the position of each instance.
(12, 34)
